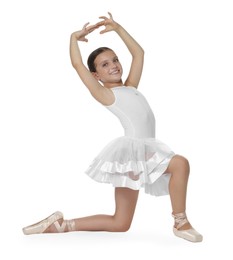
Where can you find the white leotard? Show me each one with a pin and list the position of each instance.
(134, 112)
(137, 159)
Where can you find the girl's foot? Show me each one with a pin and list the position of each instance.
(183, 229)
(52, 224)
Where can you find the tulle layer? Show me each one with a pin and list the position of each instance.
(134, 163)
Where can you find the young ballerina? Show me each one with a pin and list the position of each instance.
(133, 161)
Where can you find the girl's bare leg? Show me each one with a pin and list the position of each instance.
(125, 199)
(179, 169)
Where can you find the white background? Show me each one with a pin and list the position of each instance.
(51, 128)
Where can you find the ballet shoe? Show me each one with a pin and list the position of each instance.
(189, 234)
(41, 226)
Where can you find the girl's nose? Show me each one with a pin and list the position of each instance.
(113, 65)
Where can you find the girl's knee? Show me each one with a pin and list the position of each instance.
(179, 162)
(121, 227)
(183, 161)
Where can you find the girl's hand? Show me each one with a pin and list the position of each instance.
(81, 35)
(109, 23)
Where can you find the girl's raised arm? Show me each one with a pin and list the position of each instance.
(96, 89)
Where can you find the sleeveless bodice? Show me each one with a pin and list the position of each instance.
(134, 112)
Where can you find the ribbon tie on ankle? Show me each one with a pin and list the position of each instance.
(180, 219)
(70, 224)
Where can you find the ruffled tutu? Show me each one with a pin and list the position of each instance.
(134, 163)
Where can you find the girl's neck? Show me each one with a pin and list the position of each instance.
(112, 85)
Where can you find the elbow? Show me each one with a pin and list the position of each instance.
(74, 64)
(142, 52)
(139, 53)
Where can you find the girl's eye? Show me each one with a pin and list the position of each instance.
(105, 64)
(116, 60)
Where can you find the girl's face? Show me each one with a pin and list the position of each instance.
(108, 69)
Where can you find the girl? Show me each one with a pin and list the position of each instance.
(136, 160)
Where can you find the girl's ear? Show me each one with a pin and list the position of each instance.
(96, 75)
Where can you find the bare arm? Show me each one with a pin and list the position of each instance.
(134, 48)
(100, 93)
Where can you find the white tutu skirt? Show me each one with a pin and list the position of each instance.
(134, 163)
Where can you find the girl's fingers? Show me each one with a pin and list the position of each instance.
(85, 25)
(103, 31)
(103, 17)
(95, 26)
(100, 23)
(92, 28)
(110, 15)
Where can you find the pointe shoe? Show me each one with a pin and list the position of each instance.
(189, 234)
(41, 226)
